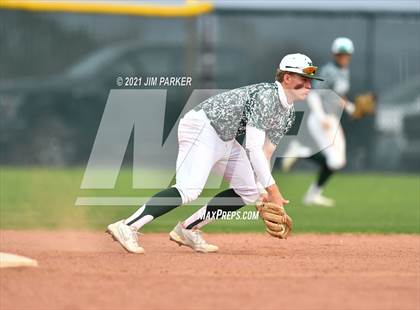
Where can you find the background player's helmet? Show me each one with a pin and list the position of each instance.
(342, 45)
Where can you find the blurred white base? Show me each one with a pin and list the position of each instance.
(8, 260)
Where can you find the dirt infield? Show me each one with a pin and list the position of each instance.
(87, 270)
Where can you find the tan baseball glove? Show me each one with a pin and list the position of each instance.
(278, 224)
(364, 105)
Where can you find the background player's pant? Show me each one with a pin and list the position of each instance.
(331, 141)
(202, 151)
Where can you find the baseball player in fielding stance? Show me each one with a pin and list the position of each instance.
(322, 125)
(206, 135)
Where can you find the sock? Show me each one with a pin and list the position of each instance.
(319, 158)
(138, 219)
(196, 218)
(154, 208)
(324, 175)
(201, 217)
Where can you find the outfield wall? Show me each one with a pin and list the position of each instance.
(58, 68)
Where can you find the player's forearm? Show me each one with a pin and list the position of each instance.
(255, 145)
(274, 195)
(273, 190)
(261, 166)
(269, 149)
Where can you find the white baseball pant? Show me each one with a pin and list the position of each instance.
(201, 151)
(331, 141)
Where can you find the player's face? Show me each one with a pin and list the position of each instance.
(343, 60)
(300, 86)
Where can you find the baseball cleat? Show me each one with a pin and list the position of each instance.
(191, 238)
(126, 236)
(318, 200)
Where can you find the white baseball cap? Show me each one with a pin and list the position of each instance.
(300, 64)
(342, 45)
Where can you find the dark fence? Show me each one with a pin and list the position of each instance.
(56, 71)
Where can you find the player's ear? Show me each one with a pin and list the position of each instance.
(287, 78)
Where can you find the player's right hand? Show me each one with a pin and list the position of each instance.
(278, 200)
(275, 196)
(264, 197)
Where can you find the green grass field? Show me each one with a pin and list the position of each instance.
(41, 198)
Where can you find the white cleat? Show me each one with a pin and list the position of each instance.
(191, 238)
(318, 200)
(126, 236)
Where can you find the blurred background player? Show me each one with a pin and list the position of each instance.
(324, 126)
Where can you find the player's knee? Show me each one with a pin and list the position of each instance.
(248, 195)
(188, 194)
(336, 164)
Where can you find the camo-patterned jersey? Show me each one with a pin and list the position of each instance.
(336, 78)
(255, 105)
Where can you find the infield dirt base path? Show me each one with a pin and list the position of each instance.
(87, 270)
